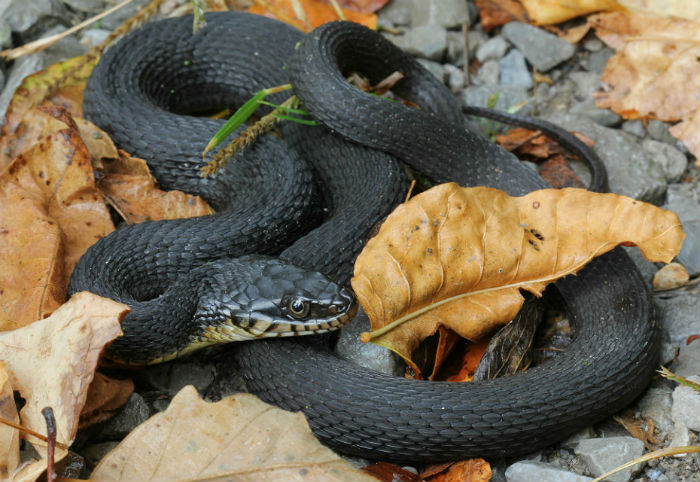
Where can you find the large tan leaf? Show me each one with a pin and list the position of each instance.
(51, 363)
(239, 438)
(51, 213)
(547, 12)
(655, 71)
(471, 250)
(9, 436)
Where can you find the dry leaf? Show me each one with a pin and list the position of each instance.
(57, 213)
(638, 428)
(364, 6)
(238, 438)
(9, 436)
(472, 470)
(548, 12)
(36, 87)
(387, 472)
(128, 185)
(105, 396)
(472, 250)
(575, 34)
(317, 13)
(655, 72)
(52, 361)
(494, 13)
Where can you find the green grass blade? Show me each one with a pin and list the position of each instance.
(284, 108)
(307, 122)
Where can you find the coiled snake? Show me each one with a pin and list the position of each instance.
(140, 92)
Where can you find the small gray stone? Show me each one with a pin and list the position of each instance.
(585, 433)
(489, 72)
(658, 131)
(586, 83)
(22, 67)
(681, 435)
(506, 96)
(455, 48)
(677, 313)
(603, 117)
(598, 60)
(63, 49)
(367, 355)
(114, 20)
(604, 454)
(428, 42)
(91, 6)
(688, 362)
(5, 34)
(631, 171)
(593, 45)
(514, 70)
(94, 36)
(95, 452)
(434, 68)
(529, 471)
(132, 414)
(672, 161)
(656, 404)
(684, 200)
(22, 15)
(445, 13)
(686, 404)
(171, 377)
(455, 78)
(542, 49)
(396, 12)
(634, 127)
(493, 48)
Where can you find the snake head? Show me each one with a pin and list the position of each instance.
(259, 297)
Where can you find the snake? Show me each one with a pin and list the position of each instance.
(145, 93)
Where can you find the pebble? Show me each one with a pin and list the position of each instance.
(367, 355)
(507, 97)
(428, 42)
(90, 6)
(22, 67)
(396, 12)
(688, 362)
(5, 34)
(602, 117)
(493, 48)
(514, 70)
(586, 83)
(132, 414)
(669, 277)
(434, 68)
(672, 161)
(604, 454)
(684, 200)
(93, 453)
(598, 60)
(677, 314)
(658, 130)
(593, 45)
(635, 127)
(20, 16)
(455, 78)
(686, 404)
(631, 171)
(445, 13)
(170, 378)
(94, 36)
(489, 72)
(114, 20)
(656, 405)
(542, 49)
(529, 471)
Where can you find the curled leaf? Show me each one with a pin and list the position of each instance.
(458, 257)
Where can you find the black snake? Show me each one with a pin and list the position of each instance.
(139, 94)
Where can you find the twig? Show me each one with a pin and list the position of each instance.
(650, 456)
(30, 432)
(46, 42)
(47, 412)
(338, 11)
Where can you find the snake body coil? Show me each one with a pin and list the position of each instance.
(137, 93)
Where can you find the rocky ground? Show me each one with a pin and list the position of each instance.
(643, 162)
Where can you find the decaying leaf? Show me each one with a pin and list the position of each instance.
(238, 438)
(105, 396)
(655, 72)
(316, 13)
(638, 428)
(386, 472)
(548, 12)
(9, 436)
(494, 13)
(131, 189)
(52, 361)
(459, 257)
(364, 6)
(57, 213)
(472, 470)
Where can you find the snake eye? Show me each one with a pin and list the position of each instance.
(298, 307)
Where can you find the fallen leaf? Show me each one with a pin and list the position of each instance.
(654, 73)
(470, 359)
(238, 438)
(387, 472)
(317, 13)
(51, 363)
(39, 86)
(574, 35)
(9, 436)
(472, 470)
(494, 13)
(57, 213)
(638, 428)
(131, 189)
(364, 6)
(105, 396)
(458, 257)
(548, 12)
(558, 173)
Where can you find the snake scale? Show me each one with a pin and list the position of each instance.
(141, 93)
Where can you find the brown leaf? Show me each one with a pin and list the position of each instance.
(56, 214)
(51, 363)
(130, 188)
(317, 13)
(238, 438)
(105, 396)
(458, 257)
(547, 12)
(638, 428)
(575, 34)
(494, 13)
(364, 6)
(9, 436)
(654, 72)
(472, 470)
(558, 173)
(390, 473)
